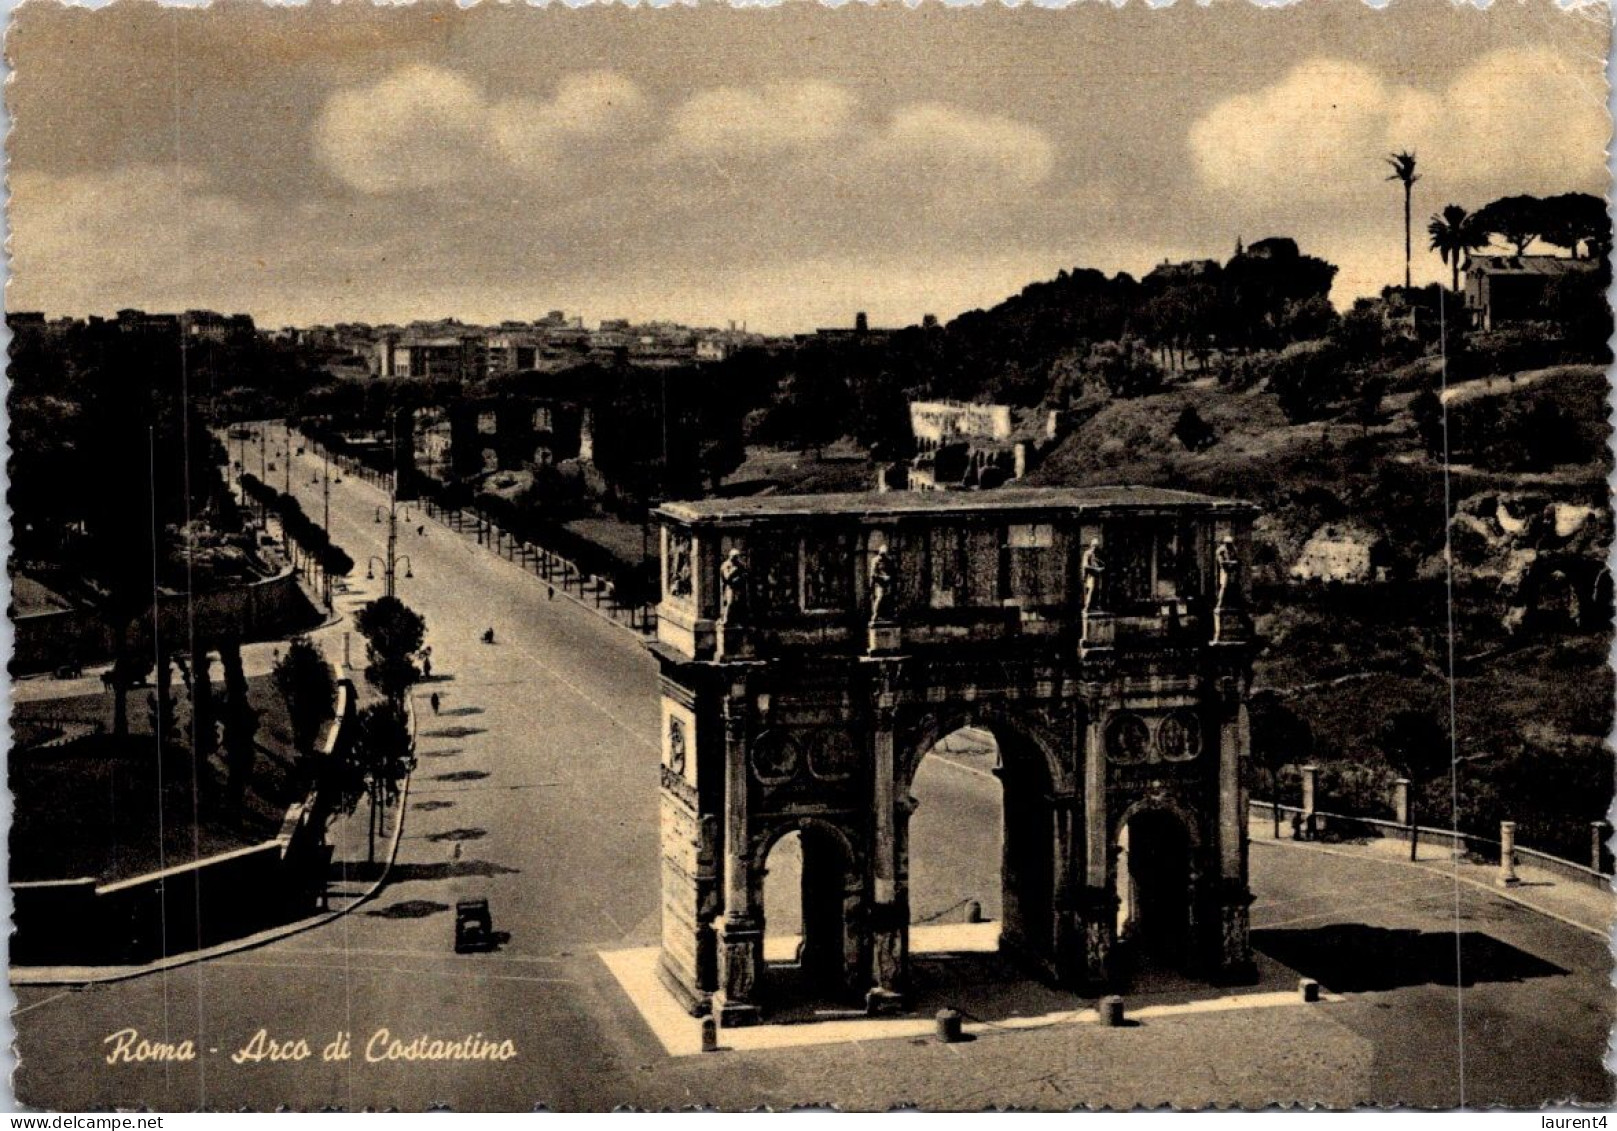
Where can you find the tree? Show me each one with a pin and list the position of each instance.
(383, 757)
(1454, 235)
(1125, 367)
(1417, 746)
(393, 634)
(305, 682)
(1278, 737)
(1367, 404)
(1427, 411)
(1403, 171)
(1194, 432)
(1517, 220)
(1573, 219)
(241, 726)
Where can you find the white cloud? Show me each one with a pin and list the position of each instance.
(1517, 120)
(426, 127)
(964, 148)
(138, 234)
(764, 120)
(819, 139)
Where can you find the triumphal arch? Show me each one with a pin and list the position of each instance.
(814, 649)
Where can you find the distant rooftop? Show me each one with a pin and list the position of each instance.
(1029, 500)
(1532, 264)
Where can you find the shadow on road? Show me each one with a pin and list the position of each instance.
(409, 909)
(457, 835)
(432, 806)
(461, 775)
(421, 873)
(447, 753)
(460, 712)
(448, 870)
(1352, 958)
(452, 732)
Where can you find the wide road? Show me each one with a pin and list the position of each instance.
(536, 787)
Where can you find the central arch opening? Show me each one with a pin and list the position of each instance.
(981, 859)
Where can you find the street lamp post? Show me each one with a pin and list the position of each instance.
(390, 564)
(325, 491)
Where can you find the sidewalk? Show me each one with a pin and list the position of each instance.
(1579, 905)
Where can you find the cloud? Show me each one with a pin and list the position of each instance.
(820, 141)
(426, 127)
(1523, 119)
(136, 234)
(970, 148)
(764, 120)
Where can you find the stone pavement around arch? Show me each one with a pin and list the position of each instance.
(1387, 1036)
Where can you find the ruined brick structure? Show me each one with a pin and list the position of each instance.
(814, 649)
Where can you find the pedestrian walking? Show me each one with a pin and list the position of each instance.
(434, 701)
(426, 667)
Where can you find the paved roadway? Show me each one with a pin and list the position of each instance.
(537, 788)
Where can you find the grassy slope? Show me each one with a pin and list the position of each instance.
(89, 808)
(1351, 659)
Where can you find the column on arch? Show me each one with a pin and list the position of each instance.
(741, 936)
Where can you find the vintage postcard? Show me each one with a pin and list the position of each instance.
(931, 557)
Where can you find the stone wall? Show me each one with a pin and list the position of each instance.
(80, 922)
(262, 610)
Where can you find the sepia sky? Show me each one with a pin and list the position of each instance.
(784, 167)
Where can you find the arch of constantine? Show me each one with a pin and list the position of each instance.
(814, 649)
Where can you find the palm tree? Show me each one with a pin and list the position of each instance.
(1455, 234)
(1403, 169)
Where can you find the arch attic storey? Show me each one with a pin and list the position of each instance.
(814, 649)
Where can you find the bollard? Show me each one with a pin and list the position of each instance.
(948, 1026)
(974, 912)
(1308, 989)
(1400, 800)
(710, 1035)
(1111, 1011)
(1507, 855)
(1310, 790)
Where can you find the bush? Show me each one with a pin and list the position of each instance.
(1307, 379)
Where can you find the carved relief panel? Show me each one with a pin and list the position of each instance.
(1134, 739)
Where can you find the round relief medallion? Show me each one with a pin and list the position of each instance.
(774, 756)
(833, 755)
(1127, 738)
(1179, 737)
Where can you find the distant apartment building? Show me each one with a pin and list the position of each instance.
(511, 352)
(457, 357)
(139, 322)
(210, 326)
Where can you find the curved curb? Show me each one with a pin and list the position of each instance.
(103, 975)
(1502, 893)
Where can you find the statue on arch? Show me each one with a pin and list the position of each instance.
(1094, 575)
(734, 603)
(1228, 562)
(882, 582)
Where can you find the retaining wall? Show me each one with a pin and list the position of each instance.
(79, 922)
(261, 610)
